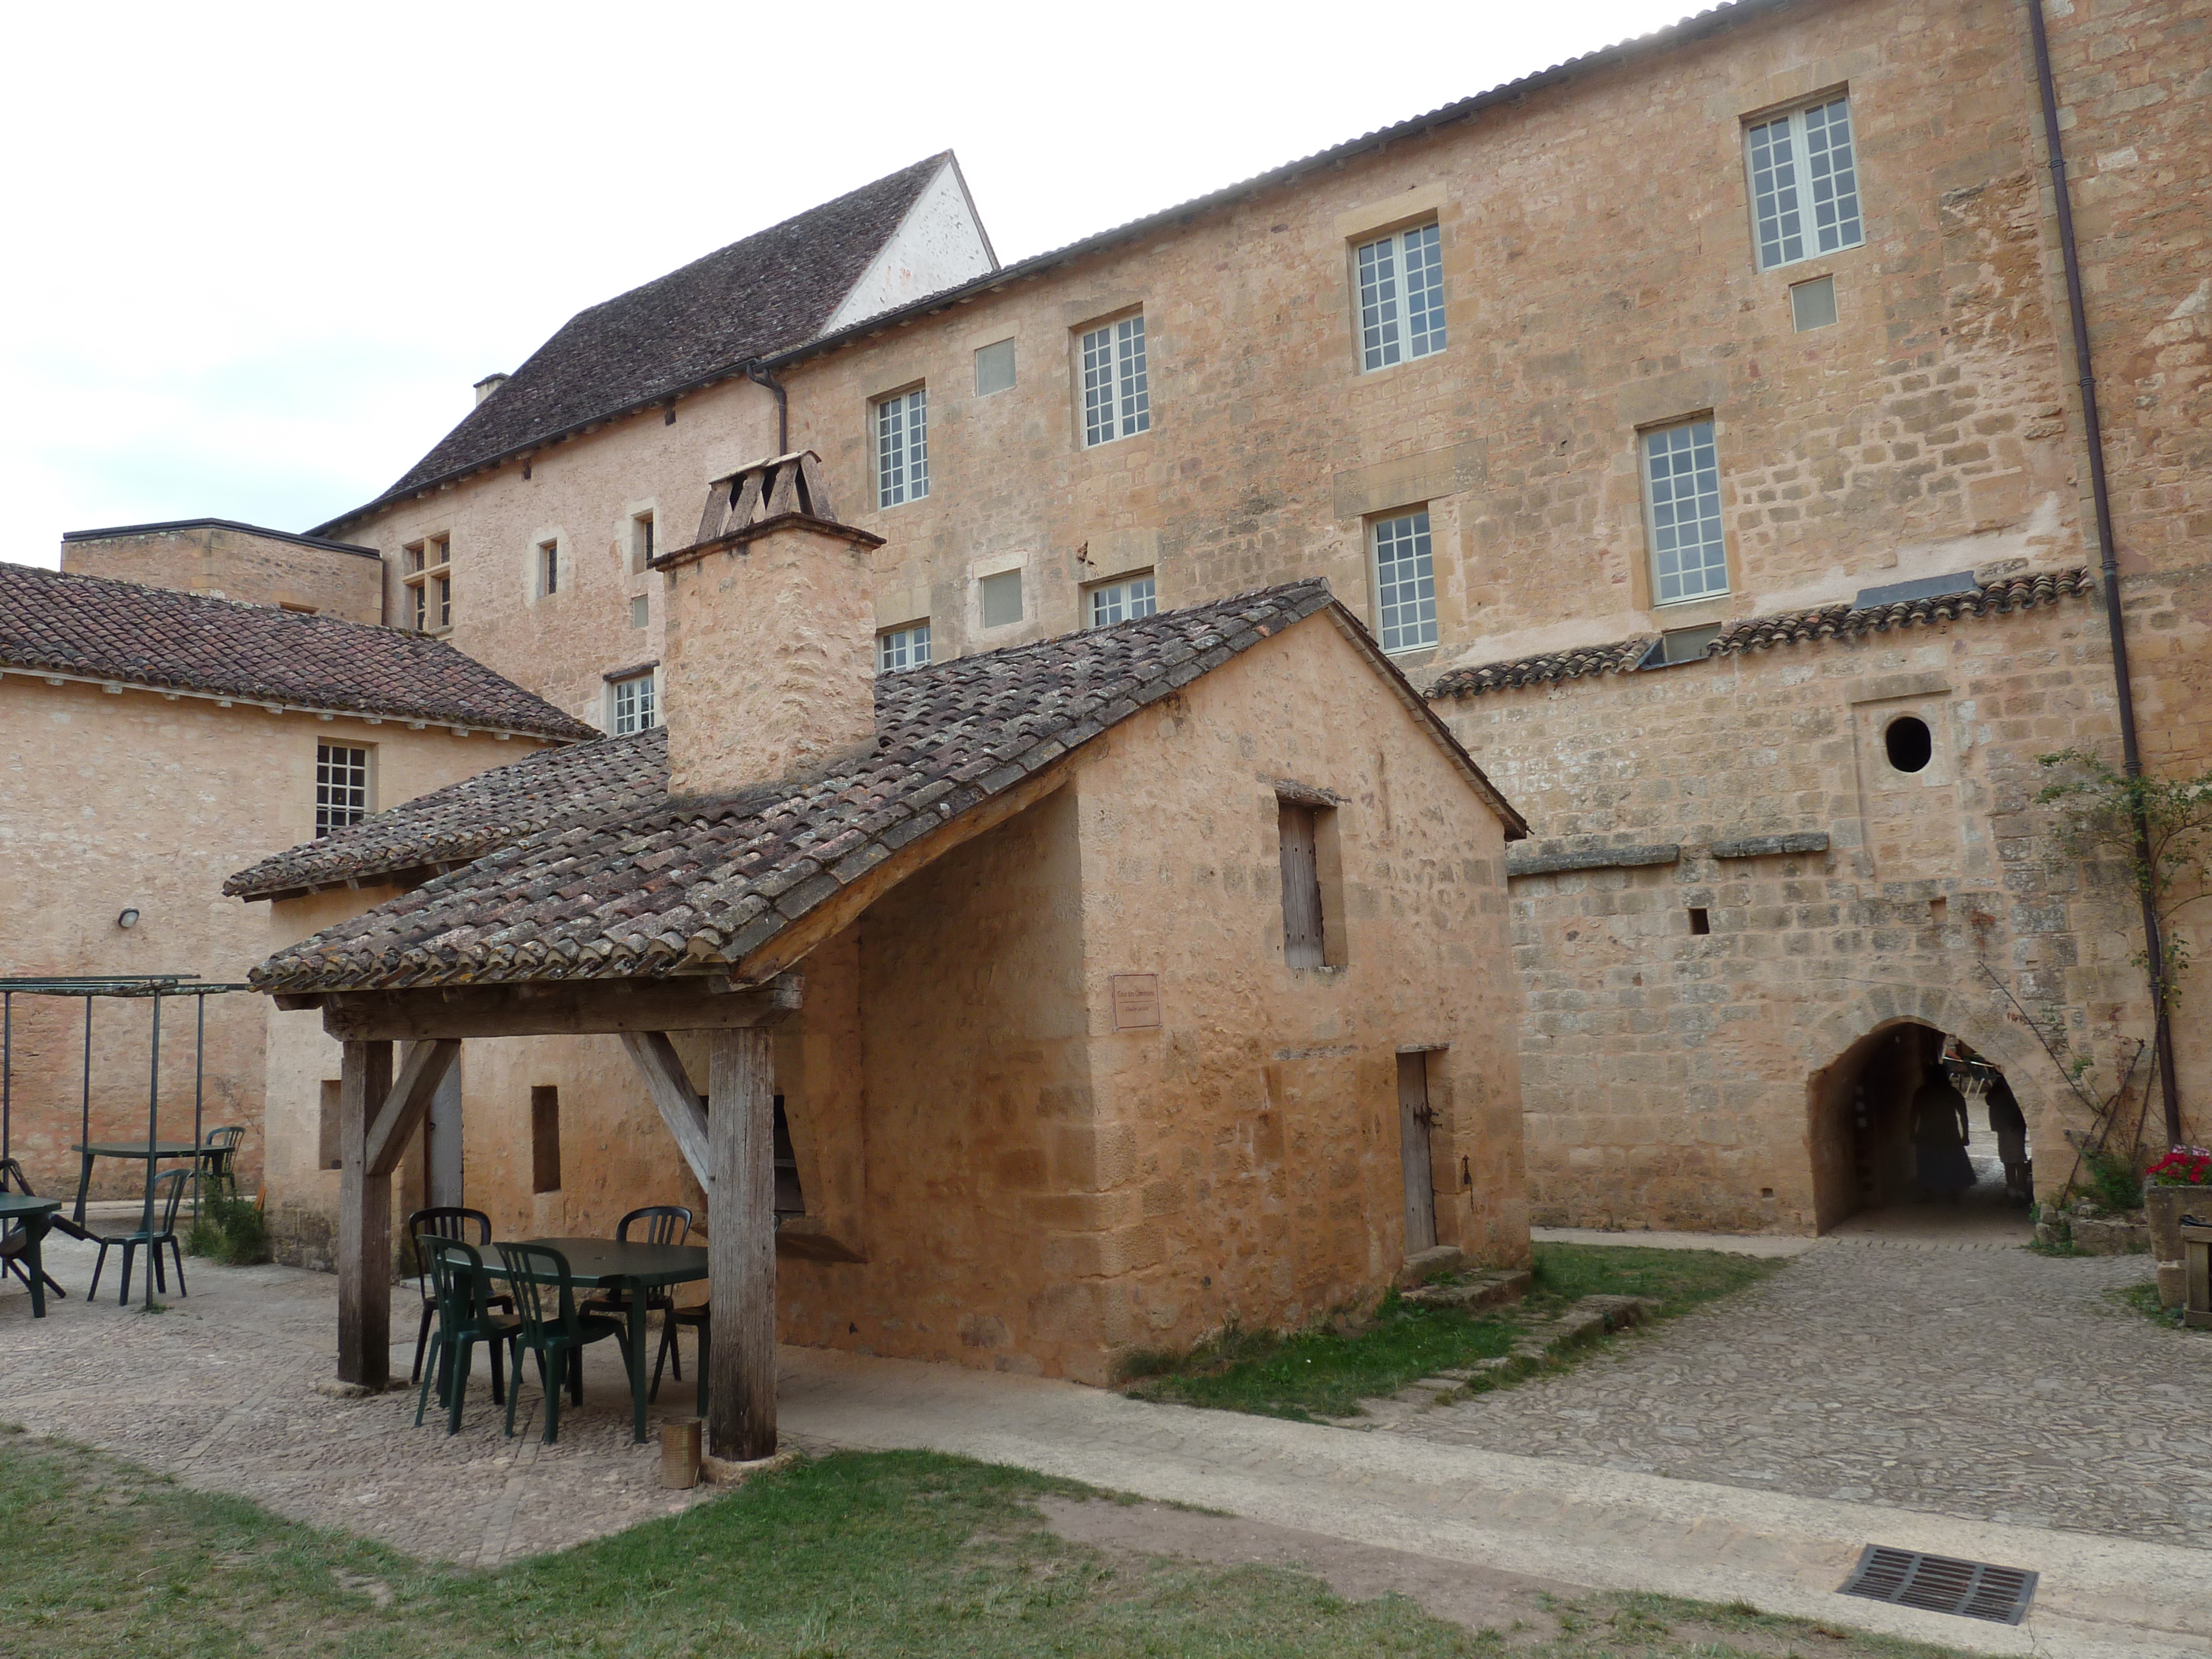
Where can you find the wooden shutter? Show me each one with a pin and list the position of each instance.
(1302, 934)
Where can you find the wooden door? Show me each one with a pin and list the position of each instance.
(1414, 1119)
(1302, 922)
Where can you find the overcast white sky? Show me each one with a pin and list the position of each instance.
(258, 254)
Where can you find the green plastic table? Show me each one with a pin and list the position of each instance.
(34, 1213)
(614, 1264)
(162, 1152)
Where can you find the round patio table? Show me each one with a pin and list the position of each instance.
(617, 1264)
(34, 1213)
(161, 1152)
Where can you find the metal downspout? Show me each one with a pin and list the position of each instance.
(2093, 436)
(760, 376)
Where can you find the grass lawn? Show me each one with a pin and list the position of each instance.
(1325, 1370)
(858, 1556)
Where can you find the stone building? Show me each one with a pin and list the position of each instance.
(1697, 422)
(1138, 979)
(152, 741)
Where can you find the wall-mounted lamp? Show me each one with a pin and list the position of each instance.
(128, 919)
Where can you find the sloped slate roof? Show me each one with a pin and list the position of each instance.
(579, 783)
(692, 883)
(100, 628)
(1994, 599)
(771, 290)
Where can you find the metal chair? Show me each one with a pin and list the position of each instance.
(151, 1237)
(456, 1272)
(218, 1157)
(15, 1242)
(444, 1221)
(663, 1223)
(553, 1328)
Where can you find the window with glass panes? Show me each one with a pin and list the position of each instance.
(1404, 581)
(1682, 496)
(341, 786)
(1123, 601)
(430, 584)
(633, 701)
(903, 447)
(1804, 184)
(1401, 296)
(899, 648)
(1118, 401)
(549, 568)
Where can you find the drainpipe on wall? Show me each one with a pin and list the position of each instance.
(760, 376)
(2093, 436)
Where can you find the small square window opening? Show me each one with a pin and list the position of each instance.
(1401, 296)
(994, 369)
(341, 786)
(635, 704)
(1121, 601)
(903, 447)
(900, 648)
(1813, 304)
(1682, 498)
(1116, 389)
(1404, 581)
(1701, 921)
(1001, 597)
(1804, 184)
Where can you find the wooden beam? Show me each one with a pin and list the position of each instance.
(559, 1008)
(670, 1085)
(364, 1222)
(741, 1247)
(402, 1110)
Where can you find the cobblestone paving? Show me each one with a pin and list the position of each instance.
(218, 1391)
(1987, 1383)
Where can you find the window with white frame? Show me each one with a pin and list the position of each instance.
(428, 580)
(1682, 498)
(1401, 296)
(341, 786)
(1118, 401)
(1404, 581)
(900, 648)
(1804, 183)
(1122, 601)
(635, 707)
(903, 447)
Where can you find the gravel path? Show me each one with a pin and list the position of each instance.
(1990, 1384)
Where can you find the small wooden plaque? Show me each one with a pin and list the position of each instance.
(1136, 1001)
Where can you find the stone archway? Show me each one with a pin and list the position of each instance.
(1847, 1038)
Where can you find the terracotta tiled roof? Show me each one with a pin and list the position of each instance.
(1998, 597)
(99, 628)
(464, 821)
(699, 883)
(773, 289)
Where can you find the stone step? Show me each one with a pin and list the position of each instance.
(1471, 1293)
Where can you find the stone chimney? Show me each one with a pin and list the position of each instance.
(489, 384)
(769, 670)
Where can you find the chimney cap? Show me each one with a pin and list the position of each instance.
(765, 496)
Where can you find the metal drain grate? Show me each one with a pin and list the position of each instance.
(1941, 1584)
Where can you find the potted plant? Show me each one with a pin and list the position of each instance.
(2177, 1184)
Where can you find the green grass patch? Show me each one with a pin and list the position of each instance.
(858, 1556)
(2144, 1299)
(1325, 1370)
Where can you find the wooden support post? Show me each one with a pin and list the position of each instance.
(364, 1221)
(662, 1068)
(741, 1245)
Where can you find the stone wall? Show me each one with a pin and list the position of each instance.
(232, 561)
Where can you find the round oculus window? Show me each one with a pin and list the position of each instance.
(1909, 744)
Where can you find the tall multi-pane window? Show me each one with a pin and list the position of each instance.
(634, 703)
(430, 584)
(1804, 184)
(640, 541)
(1404, 581)
(1401, 296)
(900, 648)
(1682, 496)
(1117, 400)
(341, 786)
(1123, 601)
(903, 447)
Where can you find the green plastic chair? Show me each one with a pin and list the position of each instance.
(168, 1188)
(218, 1158)
(553, 1328)
(456, 1272)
